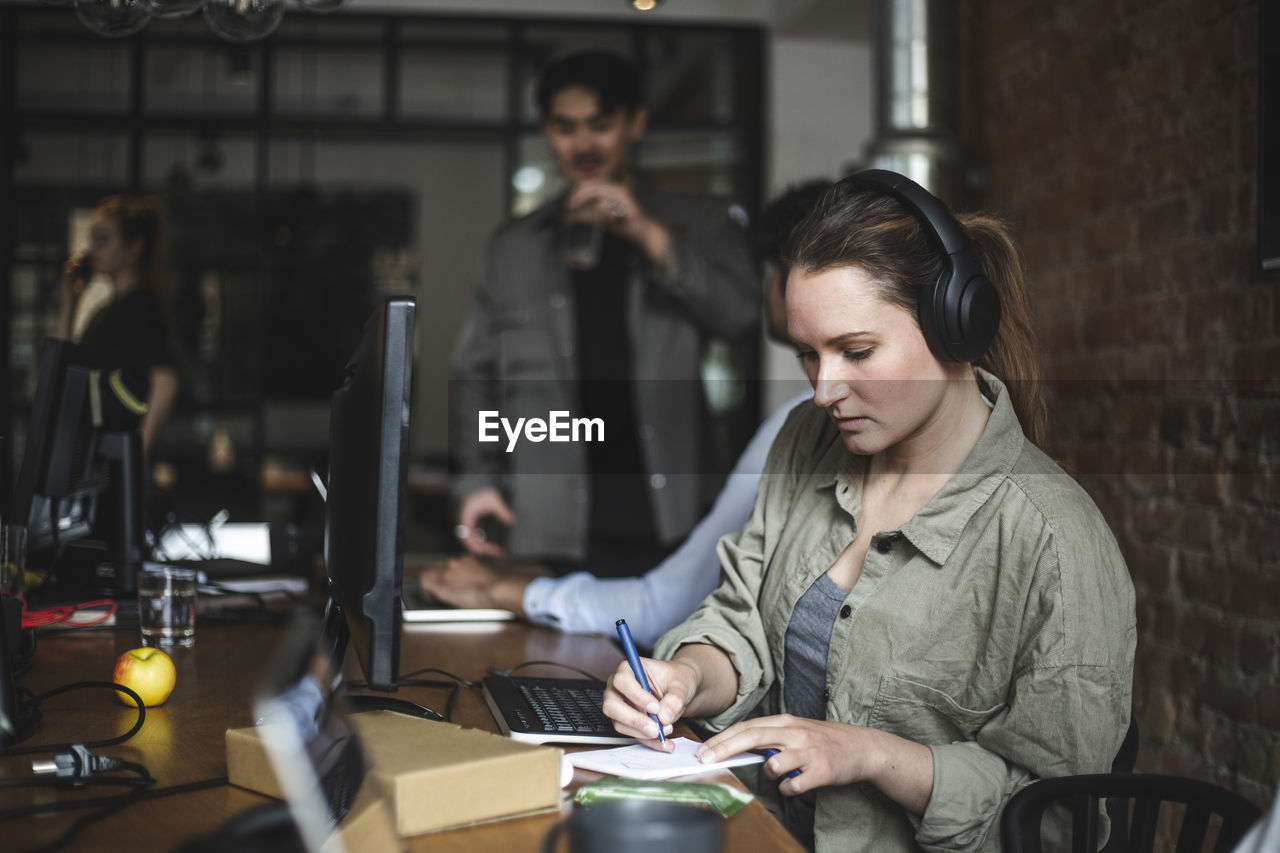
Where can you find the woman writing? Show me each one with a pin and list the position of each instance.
(923, 612)
(132, 332)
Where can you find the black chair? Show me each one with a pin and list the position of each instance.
(1127, 755)
(1020, 822)
(1118, 807)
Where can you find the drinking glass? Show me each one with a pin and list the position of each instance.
(167, 605)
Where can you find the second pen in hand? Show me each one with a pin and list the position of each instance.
(633, 658)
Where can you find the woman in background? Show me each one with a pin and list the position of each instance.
(133, 332)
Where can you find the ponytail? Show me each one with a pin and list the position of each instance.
(1012, 356)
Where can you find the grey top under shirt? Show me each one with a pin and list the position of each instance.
(808, 638)
(805, 678)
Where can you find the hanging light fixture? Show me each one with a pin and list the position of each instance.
(243, 21)
(644, 5)
(173, 9)
(114, 18)
(237, 21)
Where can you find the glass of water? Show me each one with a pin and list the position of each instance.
(167, 605)
(580, 245)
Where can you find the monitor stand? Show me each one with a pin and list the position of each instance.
(16, 715)
(124, 531)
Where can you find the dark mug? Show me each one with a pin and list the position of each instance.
(639, 826)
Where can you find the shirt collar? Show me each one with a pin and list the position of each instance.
(937, 527)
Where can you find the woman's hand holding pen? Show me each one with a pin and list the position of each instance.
(629, 705)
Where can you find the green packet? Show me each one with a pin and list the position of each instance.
(723, 798)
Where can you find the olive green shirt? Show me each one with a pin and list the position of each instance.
(996, 627)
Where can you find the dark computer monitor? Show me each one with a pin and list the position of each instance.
(81, 474)
(365, 509)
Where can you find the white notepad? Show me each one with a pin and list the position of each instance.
(640, 762)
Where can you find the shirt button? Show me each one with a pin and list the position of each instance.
(846, 611)
(657, 481)
(826, 695)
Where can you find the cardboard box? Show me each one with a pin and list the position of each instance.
(433, 775)
(367, 826)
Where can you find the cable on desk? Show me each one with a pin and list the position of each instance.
(59, 614)
(78, 685)
(581, 672)
(50, 631)
(450, 701)
(457, 678)
(110, 805)
(77, 767)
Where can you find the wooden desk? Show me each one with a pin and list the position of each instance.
(182, 741)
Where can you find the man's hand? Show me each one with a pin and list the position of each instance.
(467, 582)
(476, 507)
(613, 208)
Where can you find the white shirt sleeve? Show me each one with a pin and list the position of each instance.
(1264, 836)
(581, 603)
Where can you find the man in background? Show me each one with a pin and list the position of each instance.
(661, 598)
(616, 339)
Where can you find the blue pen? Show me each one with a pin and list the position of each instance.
(770, 752)
(633, 658)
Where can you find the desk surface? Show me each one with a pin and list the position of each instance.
(182, 741)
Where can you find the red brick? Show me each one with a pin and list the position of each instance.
(1269, 704)
(1199, 579)
(1200, 530)
(1258, 650)
(1255, 592)
(1147, 468)
(1247, 486)
(1221, 645)
(1200, 475)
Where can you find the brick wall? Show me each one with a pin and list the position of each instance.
(1120, 139)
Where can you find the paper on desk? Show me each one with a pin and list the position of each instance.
(640, 762)
(256, 585)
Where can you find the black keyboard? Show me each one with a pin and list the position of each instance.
(550, 710)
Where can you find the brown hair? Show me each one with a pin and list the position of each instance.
(143, 219)
(852, 227)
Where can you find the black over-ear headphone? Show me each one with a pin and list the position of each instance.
(960, 312)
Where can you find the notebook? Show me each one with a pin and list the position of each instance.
(640, 762)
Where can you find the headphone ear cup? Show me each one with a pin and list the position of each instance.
(980, 313)
(932, 310)
(970, 309)
(959, 313)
